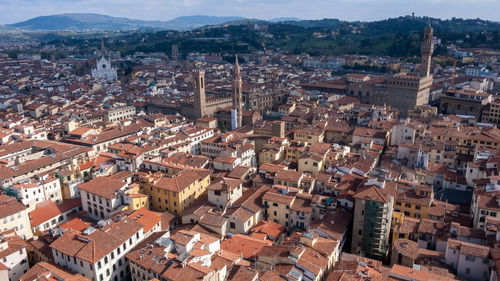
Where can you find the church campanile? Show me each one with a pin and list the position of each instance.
(237, 96)
(200, 107)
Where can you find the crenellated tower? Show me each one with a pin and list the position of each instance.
(426, 49)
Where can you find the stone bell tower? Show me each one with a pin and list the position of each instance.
(237, 94)
(426, 49)
(200, 107)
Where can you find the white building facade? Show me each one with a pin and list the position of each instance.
(104, 265)
(35, 191)
(15, 258)
(104, 70)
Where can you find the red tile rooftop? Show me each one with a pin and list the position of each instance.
(48, 209)
(249, 247)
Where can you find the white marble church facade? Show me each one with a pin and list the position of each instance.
(104, 70)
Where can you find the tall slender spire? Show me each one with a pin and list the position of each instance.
(237, 94)
(237, 73)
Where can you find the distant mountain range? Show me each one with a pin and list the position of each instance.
(96, 22)
(88, 22)
(397, 37)
(275, 20)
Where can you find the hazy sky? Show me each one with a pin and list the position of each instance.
(18, 10)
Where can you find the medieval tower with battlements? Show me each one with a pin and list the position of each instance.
(426, 50)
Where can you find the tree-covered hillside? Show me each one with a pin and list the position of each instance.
(393, 37)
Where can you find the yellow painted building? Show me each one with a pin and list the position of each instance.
(422, 111)
(311, 163)
(294, 151)
(479, 138)
(418, 230)
(272, 150)
(278, 206)
(408, 232)
(286, 109)
(66, 177)
(176, 193)
(491, 113)
(414, 202)
(411, 206)
(138, 201)
(414, 208)
(135, 199)
(268, 156)
(397, 218)
(309, 134)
